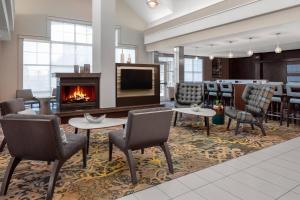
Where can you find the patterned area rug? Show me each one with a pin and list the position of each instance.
(191, 149)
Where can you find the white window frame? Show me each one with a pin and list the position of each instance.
(48, 40)
(193, 69)
(120, 45)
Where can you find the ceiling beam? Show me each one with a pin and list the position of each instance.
(255, 23)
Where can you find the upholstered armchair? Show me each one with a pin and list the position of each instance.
(258, 99)
(27, 96)
(10, 107)
(145, 128)
(188, 94)
(37, 137)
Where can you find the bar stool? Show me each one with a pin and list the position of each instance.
(227, 92)
(278, 102)
(293, 99)
(212, 88)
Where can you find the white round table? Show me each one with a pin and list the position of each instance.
(82, 123)
(203, 112)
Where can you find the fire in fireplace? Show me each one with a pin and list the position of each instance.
(78, 94)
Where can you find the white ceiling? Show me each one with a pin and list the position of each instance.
(168, 9)
(264, 40)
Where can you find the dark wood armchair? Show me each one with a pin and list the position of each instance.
(10, 107)
(38, 138)
(145, 128)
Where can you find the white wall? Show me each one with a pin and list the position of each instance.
(132, 30)
(31, 20)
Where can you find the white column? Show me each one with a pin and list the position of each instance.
(104, 49)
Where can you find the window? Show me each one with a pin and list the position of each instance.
(293, 73)
(127, 52)
(36, 67)
(170, 69)
(193, 70)
(70, 44)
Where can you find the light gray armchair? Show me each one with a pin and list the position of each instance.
(27, 96)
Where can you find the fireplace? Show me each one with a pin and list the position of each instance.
(77, 91)
(78, 94)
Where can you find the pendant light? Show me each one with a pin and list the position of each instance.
(250, 51)
(230, 55)
(278, 48)
(211, 57)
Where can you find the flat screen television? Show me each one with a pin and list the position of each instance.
(136, 79)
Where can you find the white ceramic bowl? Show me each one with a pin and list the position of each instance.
(92, 119)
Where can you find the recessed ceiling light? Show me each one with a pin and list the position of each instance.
(153, 3)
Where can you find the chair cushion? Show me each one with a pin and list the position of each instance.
(116, 137)
(189, 93)
(75, 143)
(225, 94)
(177, 105)
(27, 112)
(243, 116)
(276, 99)
(212, 94)
(231, 112)
(294, 100)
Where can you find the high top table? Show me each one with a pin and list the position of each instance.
(82, 123)
(204, 112)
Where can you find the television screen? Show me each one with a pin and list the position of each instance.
(136, 79)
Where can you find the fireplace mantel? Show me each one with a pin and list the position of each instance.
(77, 75)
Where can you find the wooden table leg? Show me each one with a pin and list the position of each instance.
(206, 121)
(175, 119)
(76, 130)
(88, 140)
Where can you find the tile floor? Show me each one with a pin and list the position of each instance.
(269, 174)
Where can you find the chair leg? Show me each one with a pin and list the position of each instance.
(168, 156)
(132, 166)
(281, 112)
(13, 163)
(110, 151)
(261, 126)
(175, 119)
(288, 115)
(3, 143)
(229, 122)
(84, 156)
(56, 167)
(237, 128)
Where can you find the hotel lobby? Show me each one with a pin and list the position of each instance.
(150, 99)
